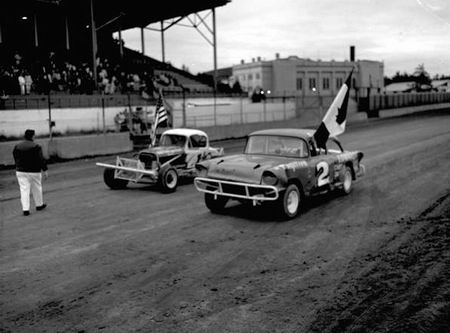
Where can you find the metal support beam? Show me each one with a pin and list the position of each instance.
(67, 33)
(120, 43)
(142, 41)
(94, 45)
(36, 40)
(214, 48)
(163, 45)
(195, 22)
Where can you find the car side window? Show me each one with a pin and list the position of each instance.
(198, 141)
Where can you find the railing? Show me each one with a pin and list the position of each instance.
(41, 102)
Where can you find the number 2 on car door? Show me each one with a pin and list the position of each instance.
(323, 173)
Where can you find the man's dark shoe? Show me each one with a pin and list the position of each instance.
(26, 212)
(41, 207)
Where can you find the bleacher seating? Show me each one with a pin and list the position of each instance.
(134, 73)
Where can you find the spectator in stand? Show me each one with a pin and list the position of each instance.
(113, 85)
(28, 83)
(136, 82)
(21, 80)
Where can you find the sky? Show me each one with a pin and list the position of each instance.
(400, 33)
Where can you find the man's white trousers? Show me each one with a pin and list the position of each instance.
(30, 182)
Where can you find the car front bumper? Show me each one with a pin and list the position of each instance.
(237, 190)
(131, 170)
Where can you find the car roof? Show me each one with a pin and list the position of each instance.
(304, 133)
(184, 131)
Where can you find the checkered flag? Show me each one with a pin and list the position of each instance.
(333, 122)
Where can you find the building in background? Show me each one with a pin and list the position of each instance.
(442, 85)
(306, 77)
(400, 87)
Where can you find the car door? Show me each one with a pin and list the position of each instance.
(195, 150)
(323, 164)
(334, 149)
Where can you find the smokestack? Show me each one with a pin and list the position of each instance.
(253, 59)
(242, 61)
(352, 53)
(277, 55)
(258, 58)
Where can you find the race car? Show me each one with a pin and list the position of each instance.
(279, 165)
(174, 156)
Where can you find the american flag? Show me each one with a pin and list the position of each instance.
(161, 116)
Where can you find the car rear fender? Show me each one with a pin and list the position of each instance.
(350, 164)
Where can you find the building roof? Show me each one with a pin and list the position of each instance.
(400, 86)
(132, 13)
(440, 83)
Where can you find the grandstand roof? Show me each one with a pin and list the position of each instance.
(133, 13)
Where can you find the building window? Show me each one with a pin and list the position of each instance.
(299, 84)
(339, 82)
(326, 83)
(312, 83)
(257, 76)
(250, 77)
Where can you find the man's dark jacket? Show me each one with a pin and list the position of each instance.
(28, 157)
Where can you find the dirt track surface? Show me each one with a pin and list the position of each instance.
(136, 260)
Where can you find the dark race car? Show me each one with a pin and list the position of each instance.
(279, 165)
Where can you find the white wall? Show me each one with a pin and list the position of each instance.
(199, 112)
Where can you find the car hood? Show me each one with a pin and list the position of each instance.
(244, 168)
(164, 151)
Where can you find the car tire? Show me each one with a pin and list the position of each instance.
(169, 180)
(290, 202)
(347, 181)
(112, 182)
(215, 205)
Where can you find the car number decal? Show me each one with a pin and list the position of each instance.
(323, 173)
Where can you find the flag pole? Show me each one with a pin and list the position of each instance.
(156, 117)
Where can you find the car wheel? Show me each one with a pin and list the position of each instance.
(169, 180)
(347, 182)
(112, 182)
(215, 205)
(290, 201)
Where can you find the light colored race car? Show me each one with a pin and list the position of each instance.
(279, 165)
(175, 156)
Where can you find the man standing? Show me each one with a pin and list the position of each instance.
(29, 164)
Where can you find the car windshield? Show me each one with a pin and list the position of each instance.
(276, 145)
(172, 140)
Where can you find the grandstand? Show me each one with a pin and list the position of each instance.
(67, 46)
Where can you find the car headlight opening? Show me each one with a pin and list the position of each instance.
(201, 171)
(269, 178)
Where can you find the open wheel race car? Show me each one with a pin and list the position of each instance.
(175, 156)
(279, 165)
